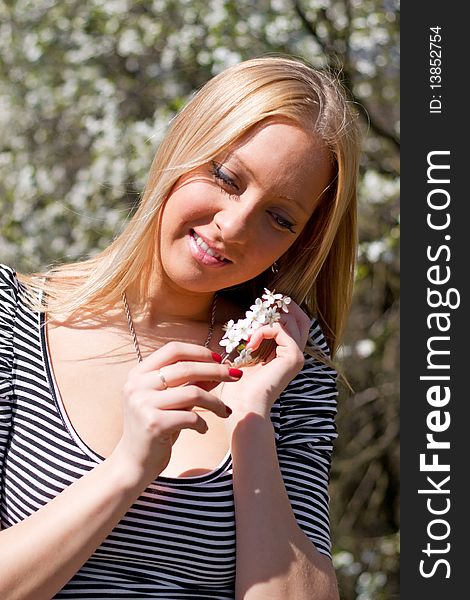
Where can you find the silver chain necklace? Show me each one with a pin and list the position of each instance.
(134, 335)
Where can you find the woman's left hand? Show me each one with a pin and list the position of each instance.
(262, 383)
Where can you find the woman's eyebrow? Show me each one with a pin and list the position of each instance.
(233, 155)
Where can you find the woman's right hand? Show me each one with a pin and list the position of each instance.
(153, 415)
(89, 508)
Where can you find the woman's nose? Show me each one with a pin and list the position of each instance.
(234, 222)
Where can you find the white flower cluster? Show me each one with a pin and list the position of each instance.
(265, 311)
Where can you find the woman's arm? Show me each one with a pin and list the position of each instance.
(275, 559)
(40, 554)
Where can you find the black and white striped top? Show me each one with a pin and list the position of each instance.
(178, 540)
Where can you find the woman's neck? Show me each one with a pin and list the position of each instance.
(162, 303)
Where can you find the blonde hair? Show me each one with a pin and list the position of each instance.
(318, 270)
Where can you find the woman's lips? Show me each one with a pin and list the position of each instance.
(203, 253)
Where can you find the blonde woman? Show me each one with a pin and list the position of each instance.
(135, 463)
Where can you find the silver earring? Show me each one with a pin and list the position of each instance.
(275, 268)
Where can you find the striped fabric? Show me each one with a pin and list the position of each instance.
(178, 540)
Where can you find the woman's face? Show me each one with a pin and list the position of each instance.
(227, 221)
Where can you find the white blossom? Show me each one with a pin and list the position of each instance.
(244, 329)
(257, 306)
(258, 318)
(243, 358)
(257, 313)
(283, 303)
(270, 297)
(228, 325)
(262, 312)
(229, 344)
(271, 316)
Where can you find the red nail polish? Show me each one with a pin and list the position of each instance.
(235, 373)
(228, 410)
(216, 357)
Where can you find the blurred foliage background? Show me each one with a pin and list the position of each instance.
(87, 88)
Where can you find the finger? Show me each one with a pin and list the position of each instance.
(267, 332)
(302, 321)
(296, 323)
(184, 372)
(183, 419)
(291, 325)
(177, 351)
(188, 397)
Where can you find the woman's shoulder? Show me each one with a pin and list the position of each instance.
(315, 384)
(318, 362)
(17, 290)
(317, 340)
(308, 405)
(8, 275)
(9, 288)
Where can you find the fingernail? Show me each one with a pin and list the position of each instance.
(235, 373)
(228, 410)
(216, 357)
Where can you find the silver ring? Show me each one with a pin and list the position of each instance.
(162, 377)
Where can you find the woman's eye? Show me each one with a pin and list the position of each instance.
(282, 222)
(218, 172)
(228, 182)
